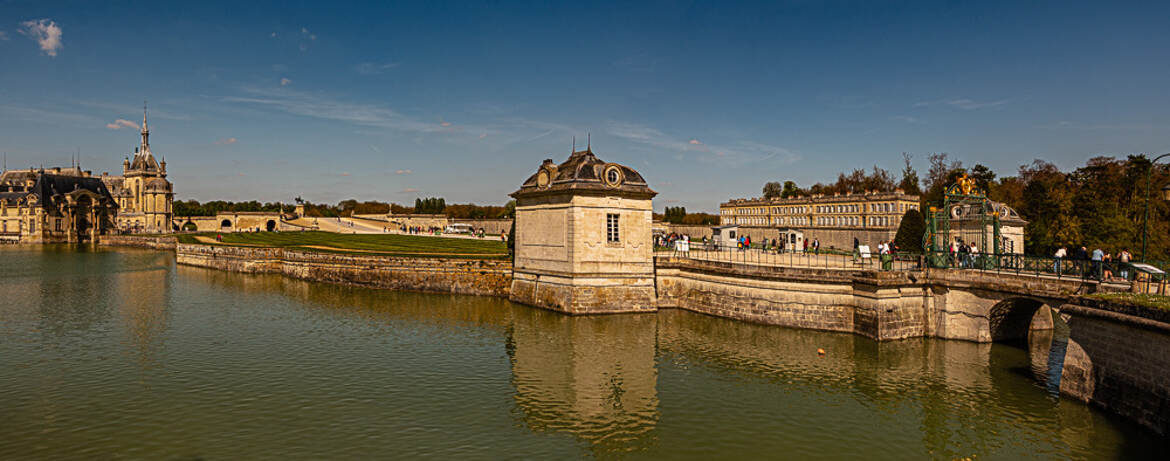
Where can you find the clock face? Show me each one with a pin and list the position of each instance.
(542, 179)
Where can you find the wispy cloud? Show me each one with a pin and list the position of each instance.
(375, 148)
(155, 113)
(738, 154)
(311, 105)
(305, 32)
(695, 142)
(3, 35)
(1069, 125)
(408, 190)
(345, 174)
(37, 114)
(120, 123)
(374, 68)
(45, 32)
(227, 141)
(285, 81)
(444, 124)
(403, 172)
(962, 103)
(908, 119)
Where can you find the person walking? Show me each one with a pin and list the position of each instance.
(817, 246)
(1098, 259)
(1123, 263)
(856, 249)
(1061, 253)
(805, 249)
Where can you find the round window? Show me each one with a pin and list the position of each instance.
(542, 179)
(613, 176)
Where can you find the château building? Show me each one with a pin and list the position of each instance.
(835, 220)
(54, 206)
(145, 196)
(69, 205)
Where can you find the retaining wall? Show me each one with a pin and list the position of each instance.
(462, 276)
(138, 241)
(1118, 358)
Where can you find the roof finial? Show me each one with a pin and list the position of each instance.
(574, 145)
(588, 142)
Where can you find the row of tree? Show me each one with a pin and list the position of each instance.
(679, 215)
(351, 207)
(1099, 205)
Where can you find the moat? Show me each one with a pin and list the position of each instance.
(122, 354)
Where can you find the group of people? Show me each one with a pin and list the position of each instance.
(667, 240)
(418, 229)
(1100, 264)
(964, 255)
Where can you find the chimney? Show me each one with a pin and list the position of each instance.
(56, 169)
(88, 173)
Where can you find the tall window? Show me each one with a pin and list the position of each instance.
(612, 229)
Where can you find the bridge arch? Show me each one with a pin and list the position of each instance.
(270, 225)
(1012, 318)
(225, 223)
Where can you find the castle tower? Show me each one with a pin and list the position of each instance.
(583, 241)
(148, 196)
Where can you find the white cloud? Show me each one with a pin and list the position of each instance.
(3, 35)
(226, 141)
(403, 172)
(273, 35)
(46, 33)
(695, 142)
(311, 105)
(445, 124)
(285, 81)
(908, 119)
(374, 68)
(741, 153)
(409, 190)
(962, 103)
(483, 135)
(345, 174)
(119, 124)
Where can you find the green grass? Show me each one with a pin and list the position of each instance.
(371, 244)
(1137, 299)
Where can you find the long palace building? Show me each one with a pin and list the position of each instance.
(834, 220)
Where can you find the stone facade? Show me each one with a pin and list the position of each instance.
(462, 276)
(54, 206)
(583, 241)
(1116, 359)
(835, 221)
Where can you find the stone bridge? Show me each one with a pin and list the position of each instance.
(944, 303)
(242, 221)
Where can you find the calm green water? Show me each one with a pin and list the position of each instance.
(123, 355)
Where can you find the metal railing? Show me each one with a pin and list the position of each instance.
(1017, 264)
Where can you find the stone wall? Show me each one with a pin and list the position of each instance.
(462, 276)
(138, 241)
(1117, 359)
(878, 305)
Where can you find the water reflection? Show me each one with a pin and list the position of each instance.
(594, 377)
(181, 362)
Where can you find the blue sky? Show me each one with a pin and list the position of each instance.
(709, 100)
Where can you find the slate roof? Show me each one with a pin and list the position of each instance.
(51, 185)
(583, 171)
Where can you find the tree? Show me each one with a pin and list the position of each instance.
(909, 182)
(983, 176)
(791, 190)
(773, 190)
(910, 231)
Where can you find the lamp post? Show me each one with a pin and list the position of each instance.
(1165, 196)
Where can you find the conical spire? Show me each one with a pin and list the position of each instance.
(145, 133)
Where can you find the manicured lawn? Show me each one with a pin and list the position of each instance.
(380, 244)
(1143, 300)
